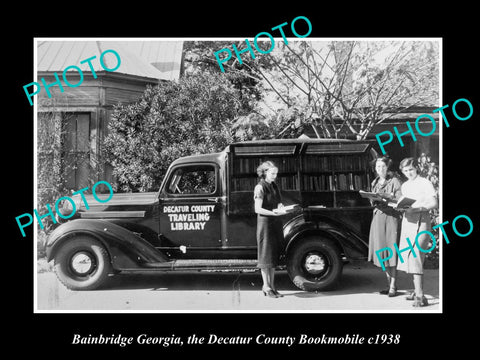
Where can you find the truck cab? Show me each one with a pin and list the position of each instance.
(202, 217)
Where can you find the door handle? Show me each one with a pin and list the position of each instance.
(213, 199)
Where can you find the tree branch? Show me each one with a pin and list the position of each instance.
(271, 85)
(309, 69)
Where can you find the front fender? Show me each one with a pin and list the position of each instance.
(126, 249)
(352, 245)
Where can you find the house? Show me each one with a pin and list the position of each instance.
(429, 145)
(72, 123)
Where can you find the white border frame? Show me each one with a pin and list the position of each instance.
(35, 229)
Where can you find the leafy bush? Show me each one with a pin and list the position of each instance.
(171, 120)
(429, 170)
(51, 169)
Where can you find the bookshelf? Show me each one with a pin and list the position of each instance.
(332, 180)
(244, 172)
(335, 173)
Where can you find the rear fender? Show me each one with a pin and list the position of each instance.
(125, 248)
(350, 243)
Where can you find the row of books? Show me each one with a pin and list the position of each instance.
(248, 183)
(311, 163)
(288, 182)
(339, 182)
(250, 165)
(351, 181)
(318, 183)
(244, 183)
(335, 163)
(322, 182)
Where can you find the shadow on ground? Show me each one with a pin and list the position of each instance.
(356, 278)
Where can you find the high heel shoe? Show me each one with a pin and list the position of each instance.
(277, 293)
(269, 293)
(384, 291)
(420, 301)
(392, 292)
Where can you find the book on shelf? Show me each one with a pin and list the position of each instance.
(349, 163)
(340, 163)
(350, 182)
(338, 182)
(316, 163)
(248, 183)
(315, 182)
(248, 165)
(244, 184)
(288, 182)
(342, 182)
(358, 182)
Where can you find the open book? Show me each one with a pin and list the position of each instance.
(290, 208)
(371, 195)
(287, 208)
(402, 203)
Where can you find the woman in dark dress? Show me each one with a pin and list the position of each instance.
(385, 227)
(268, 206)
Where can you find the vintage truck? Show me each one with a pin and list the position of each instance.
(202, 217)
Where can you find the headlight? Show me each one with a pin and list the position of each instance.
(65, 209)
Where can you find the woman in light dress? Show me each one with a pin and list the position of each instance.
(416, 220)
(385, 227)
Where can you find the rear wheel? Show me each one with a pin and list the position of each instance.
(82, 263)
(314, 264)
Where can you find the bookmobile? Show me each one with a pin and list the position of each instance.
(202, 217)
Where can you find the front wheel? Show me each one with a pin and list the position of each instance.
(82, 263)
(314, 264)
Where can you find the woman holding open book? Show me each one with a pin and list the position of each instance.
(385, 226)
(269, 207)
(415, 221)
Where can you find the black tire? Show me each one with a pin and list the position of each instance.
(314, 264)
(82, 263)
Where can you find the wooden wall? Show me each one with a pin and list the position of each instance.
(429, 144)
(96, 98)
(107, 89)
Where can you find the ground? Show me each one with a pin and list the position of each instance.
(231, 292)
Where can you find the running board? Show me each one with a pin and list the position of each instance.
(203, 264)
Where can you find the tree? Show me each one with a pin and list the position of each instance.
(429, 170)
(353, 86)
(250, 78)
(246, 77)
(171, 120)
(287, 123)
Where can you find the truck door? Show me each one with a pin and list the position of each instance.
(191, 208)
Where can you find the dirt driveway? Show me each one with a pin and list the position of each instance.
(231, 292)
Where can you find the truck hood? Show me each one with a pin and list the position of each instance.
(118, 202)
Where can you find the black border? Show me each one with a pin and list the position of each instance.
(427, 333)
